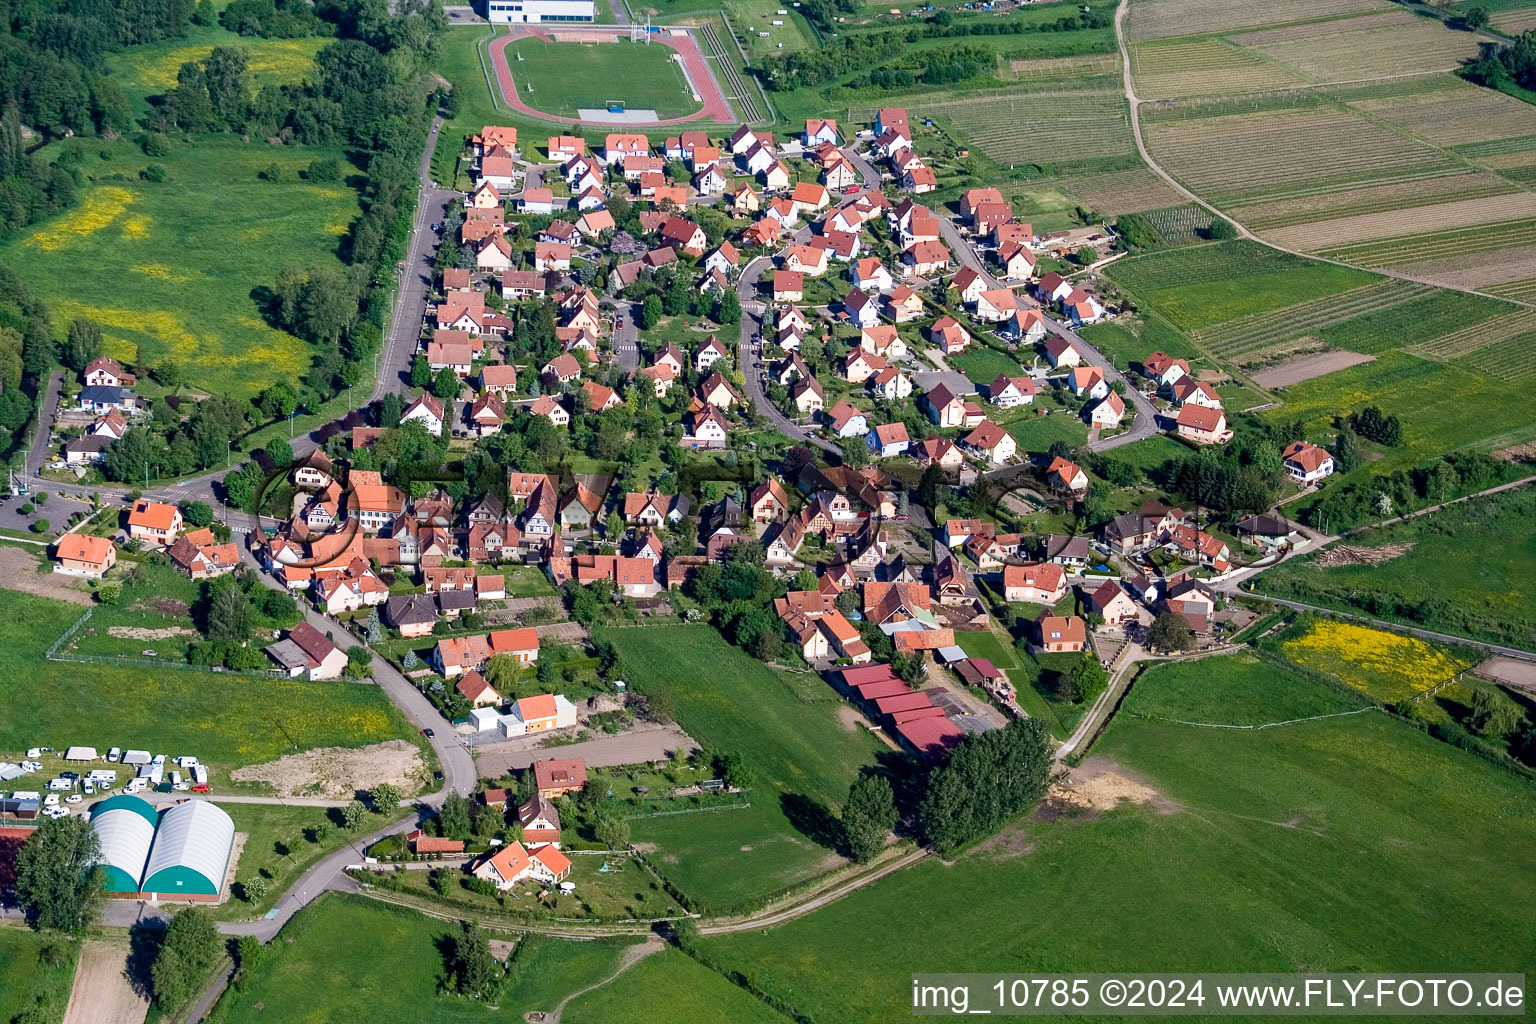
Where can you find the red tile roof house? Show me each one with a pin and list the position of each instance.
(153, 522)
(1203, 425)
(1063, 634)
(84, 556)
(1306, 463)
(512, 864)
(556, 778)
(1034, 584)
(1112, 602)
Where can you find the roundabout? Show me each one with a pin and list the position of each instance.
(620, 77)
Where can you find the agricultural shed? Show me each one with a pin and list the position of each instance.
(191, 851)
(125, 826)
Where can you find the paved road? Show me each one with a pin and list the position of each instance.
(626, 339)
(45, 419)
(753, 314)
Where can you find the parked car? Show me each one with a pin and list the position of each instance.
(73, 798)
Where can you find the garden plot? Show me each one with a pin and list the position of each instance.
(1345, 56)
(1347, 231)
(1160, 19)
(1400, 195)
(1201, 67)
(1286, 153)
(1042, 128)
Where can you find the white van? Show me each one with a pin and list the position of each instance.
(114, 754)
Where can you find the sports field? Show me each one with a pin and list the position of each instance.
(240, 721)
(803, 753)
(560, 78)
(171, 265)
(1258, 850)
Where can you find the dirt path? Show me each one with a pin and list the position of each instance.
(770, 919)
(632, 956)
(102, 993)
(18, 571)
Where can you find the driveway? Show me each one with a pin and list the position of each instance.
(647, 743)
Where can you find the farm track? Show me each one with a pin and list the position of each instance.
(1242, 230)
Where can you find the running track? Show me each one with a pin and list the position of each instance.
(715, 106)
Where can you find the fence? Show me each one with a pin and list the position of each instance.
(53, 654)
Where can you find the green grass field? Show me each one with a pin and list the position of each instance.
(172, 265)
(1236, 689)
(669, 986)
(26, 979)
(1331, 845)
(803, 756)
(1210, 284)
(149, 70)
(559, 78)
(1131, 341)
(392, 958)
(224, 721)
(981, 365)
(1479, 557)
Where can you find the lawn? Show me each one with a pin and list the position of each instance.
(226, 722)
(981, 364)
(171, 265)
(804, 758)
(1235, 689)
(560, 78)
(392, 957)
(1466, 569)
(1130, 341)
(26, 977)
(1035, 433)
(669, 986)
(1272, 853)
(280, 846)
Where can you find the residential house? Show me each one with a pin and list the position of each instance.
(1107, 412)
(552, 410)
(788, 286)
(556, 778)
(80, 555)
(1087, 381)
(413, 615)
(711, 352)
(684, 236)
(499, 379)
(846, 420)
(1306, 463)
(1164, 369)
(1110, 601)
(776, 177)
(1045, 583)
(200, 558)
(725, 258)
(619, 147)
(1025, 327)
(992, 443)
(493, 254)
(551, 256)
(1203, 425)
(744, 201)
(716, 391)
(579, 507)
(350, 591)
(153, 523)
(306, 652)
(102, 398)
(104, 371)
(1187, 389)
(862, 308)
(820, 131)
(949, 336)
(1068, 478)
(888, 439)
(890, 384)
(426, 410)
(1017, 261)
(1082, 308)
(925, 258)
(1061, 353)
(1192, 599)
(807, 396)
(944, 407)
(1007, 392)
(883, 341)
(870, 275)
(903, 304)
(941, 452)
(507, 865)
(1059, 634)
(859, 365)
(768, 502)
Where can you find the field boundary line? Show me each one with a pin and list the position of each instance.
(1253, 728)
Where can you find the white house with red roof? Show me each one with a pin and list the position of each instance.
(1306, 463)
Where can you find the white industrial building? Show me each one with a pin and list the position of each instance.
(537, 11)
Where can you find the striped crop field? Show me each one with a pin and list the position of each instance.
(1512, 360)
(1456, 218)
(1309, 29)
(1399, 195)
(1462, 343)
(1346, 56)
(1518, 144)
(1244, 337)
(1128, 191)
(1460, 115)
(1161, 19)
(1520, 291)
(1065, 67)
(1202, 66)
(1287, 153)
(1179, 225)
(1412, 321)
(1042, 128)
(1393, 252)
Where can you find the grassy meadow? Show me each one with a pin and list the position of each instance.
(803, 754)
(1263, 851)
(27, 979)
(1478, 555)
(669, 986)
(225, 721)
(394, 958)
(171, 265)
(150, 70)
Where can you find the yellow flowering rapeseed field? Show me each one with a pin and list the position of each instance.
(1384, 665)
